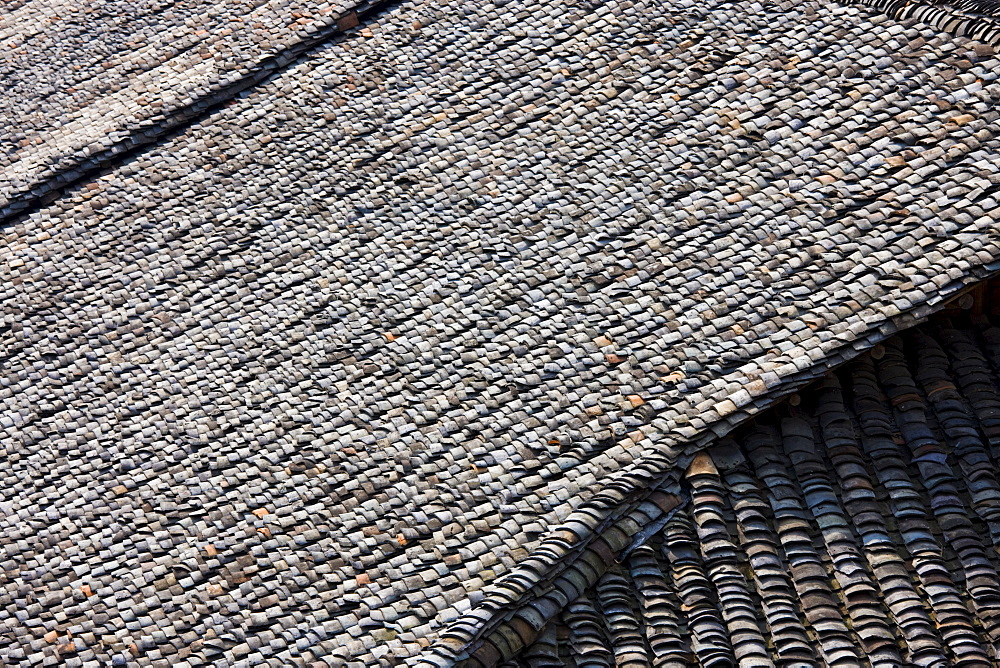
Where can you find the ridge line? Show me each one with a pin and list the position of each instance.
(148, 132)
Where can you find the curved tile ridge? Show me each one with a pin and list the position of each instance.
(979, 21)
(469, 640)
(856, 532)
(146, 92)
(563, 580)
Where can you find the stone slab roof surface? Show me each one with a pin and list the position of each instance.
(349, 369)
(858, 528)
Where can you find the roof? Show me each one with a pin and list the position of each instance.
(856, 527)
(327, 372)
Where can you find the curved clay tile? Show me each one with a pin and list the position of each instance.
(615, 599)
(913, 518)
(544, 653)
(959, 429)
(974, 20)
(658, 604)
(698, 598)
(930, 458)
(971, 371)
(858, 493)
(587, 641)
(791, 640)
(722, 563)
(991, 338)
(791, 521)
(864, 605)
(335, 362)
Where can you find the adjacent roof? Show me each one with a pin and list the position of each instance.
(318, 376)
(858, 527)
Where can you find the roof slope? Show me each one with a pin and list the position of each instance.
(854, 529)
(301, 381)
(87, 83)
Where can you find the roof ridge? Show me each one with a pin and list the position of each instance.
(37, 179)
(972, 19)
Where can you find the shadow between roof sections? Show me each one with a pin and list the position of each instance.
(86, 168)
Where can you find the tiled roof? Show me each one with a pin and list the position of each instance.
(859, 527)
(321, 374)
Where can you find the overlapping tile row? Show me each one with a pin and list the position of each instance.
(962, 437)
(971, 367)
(866, 610)
(695, 594)
(658, 609)
(914, 520)
(353, 362)
(943, 486)
(631, 650)
(776, 584)
(87, 83)
(845, 469)
(592, 565)
(722, 563)
(813, 584)
(891, 572)
(973, 19)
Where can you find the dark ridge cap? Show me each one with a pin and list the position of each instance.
(47, 188)
(982, 8)
(472, 639)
